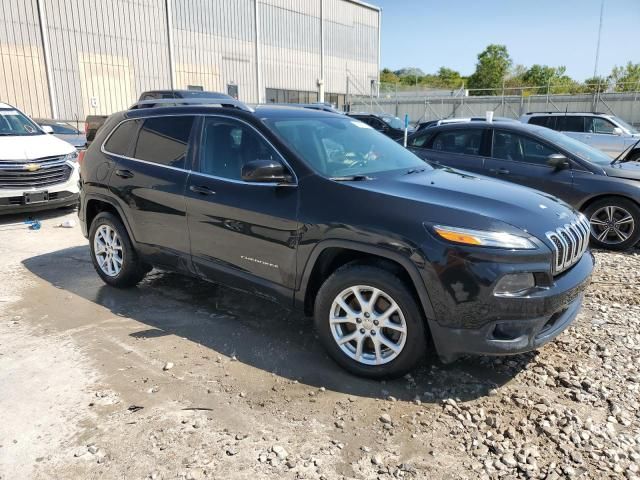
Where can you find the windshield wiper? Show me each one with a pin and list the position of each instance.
(351, 178)
(622, 153)
(415, 170)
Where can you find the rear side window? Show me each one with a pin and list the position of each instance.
(571, 123)
(467, 141)
(549, 122)
(164, 140)
(122, 138)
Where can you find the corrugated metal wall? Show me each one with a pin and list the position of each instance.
(23, 80)
(104, 54)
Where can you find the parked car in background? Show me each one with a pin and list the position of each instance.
(148, 100)
(606, 191)
(325, 107)
(37, 170)
(605, 132)
(321, 212)
(444, 121)
(391, 126)
(65, 131)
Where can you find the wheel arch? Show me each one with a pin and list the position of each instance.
(95, 204)
(330, 255)
(590, 201)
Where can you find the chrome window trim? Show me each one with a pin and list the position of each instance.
(266, 184)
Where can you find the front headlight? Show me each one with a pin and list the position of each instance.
(484, 238)
(71, 157)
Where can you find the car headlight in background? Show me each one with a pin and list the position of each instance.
(72, 157)
(482, 238)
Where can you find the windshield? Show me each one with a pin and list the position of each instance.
(13, 123)
(393, 122)
(61, 128)
(579, 149)
(632, 130)
(339, 147)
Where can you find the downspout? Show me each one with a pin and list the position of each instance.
(42, 21)
(256, 19)
(321, 79)
(172, 72)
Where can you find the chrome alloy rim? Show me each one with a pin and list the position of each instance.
(368, 325)
(612, 225)
(107, 249)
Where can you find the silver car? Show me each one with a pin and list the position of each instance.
(607, 133)
(64, 131)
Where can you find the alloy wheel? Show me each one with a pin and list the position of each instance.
(368, 325)
(107, 249)
(612, 225)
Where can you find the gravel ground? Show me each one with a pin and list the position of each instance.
(181, 379)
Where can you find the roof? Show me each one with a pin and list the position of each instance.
(5, 105)
(562, 114)
(521, 127)
(366, 5)
(281, 111)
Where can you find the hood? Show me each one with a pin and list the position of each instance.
(629, 170)
(78, 141)
(459, 199)
(31, 147)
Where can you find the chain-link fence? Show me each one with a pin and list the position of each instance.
(423, 103)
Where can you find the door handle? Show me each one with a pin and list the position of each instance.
(201, 190)
(124, 173)
(500, 171)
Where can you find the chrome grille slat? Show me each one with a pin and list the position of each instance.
(569, 243)
(49, 171)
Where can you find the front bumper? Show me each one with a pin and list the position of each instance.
(60, 195)
(505, 326)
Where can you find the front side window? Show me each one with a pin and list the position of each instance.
(13, 123)
(512, 146)
(599, 125)
(419, 140)
(341, 147)
(122, 138)
(228, 145)
(164, 140)
(543, 121)
(464, 141)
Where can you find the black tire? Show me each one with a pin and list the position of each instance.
(133, 269)
(633, 231)
(354, 274)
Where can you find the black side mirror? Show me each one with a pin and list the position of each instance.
(265, 171)
(558, 161)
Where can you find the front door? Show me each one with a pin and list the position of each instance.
(148, 179)
(242, 233)
(458, 148)
(521, 159)
(602, 136)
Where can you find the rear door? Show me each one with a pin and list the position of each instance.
(461, 148)
(149, 182)
(522, 159)
(243, 234)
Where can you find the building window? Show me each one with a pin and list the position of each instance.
(276, 95)
(198, 88)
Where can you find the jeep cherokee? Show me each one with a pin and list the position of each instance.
(322, 213)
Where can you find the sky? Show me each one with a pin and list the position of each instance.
(429, 34)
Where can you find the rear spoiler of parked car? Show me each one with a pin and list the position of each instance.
(174, 102)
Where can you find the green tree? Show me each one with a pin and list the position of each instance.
(491, 70)
(627, 78)
(594, 84)
(448, 78)
(387, 76)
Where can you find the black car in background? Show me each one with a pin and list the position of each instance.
(606, 191)
(391, 126)
(322, 213)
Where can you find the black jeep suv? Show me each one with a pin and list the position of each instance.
(321, 212)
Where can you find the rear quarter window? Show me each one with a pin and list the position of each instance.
(122, 138)
(164, 140)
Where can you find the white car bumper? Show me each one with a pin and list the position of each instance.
(65, 193)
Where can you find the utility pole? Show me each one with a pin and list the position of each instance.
(595, 68)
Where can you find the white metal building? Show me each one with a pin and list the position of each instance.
(67, 59)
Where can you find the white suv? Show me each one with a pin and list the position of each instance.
(37, 170)
(607, 133)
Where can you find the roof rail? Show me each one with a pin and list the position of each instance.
(175, 102)
(567, 113)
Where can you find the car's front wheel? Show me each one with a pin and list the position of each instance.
(112, 254)
(369, 321)
(615, 223)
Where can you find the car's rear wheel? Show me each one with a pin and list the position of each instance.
(615, 223)
(112, 254)
(369, 321)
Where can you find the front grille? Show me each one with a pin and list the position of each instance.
(570, 242)
(39, 173)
